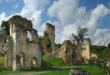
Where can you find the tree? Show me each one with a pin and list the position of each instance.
(47, 42)
(109, 45)
(81, 34)
(5, 27)
(78, 42)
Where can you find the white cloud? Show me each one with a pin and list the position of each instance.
(70, 16)
(37, 18)
(2, 17)
(98, 13)
(102, 37)
(33, 10)
(67, 32)
(63, 10)
(32, 6)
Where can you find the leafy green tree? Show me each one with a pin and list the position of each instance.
(57, 46)
(97, 49)
(47, 42)
(81, 33)
(5, 27)
(109, 45)
(79, 39)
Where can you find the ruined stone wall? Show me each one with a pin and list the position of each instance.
(83, 50)
(94, 56)
(44, 48)
(50, 33)
(8, 47)
(86, 50)
(67, 52)
(25, 50)
(2, 43)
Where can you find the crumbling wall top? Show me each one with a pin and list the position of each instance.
(67, 42)
(34, 32)
(22, 22)
(48, 26)
(87, 39)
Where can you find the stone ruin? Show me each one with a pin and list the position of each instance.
(23, 51)
(49, 33)
(86, 49)
(78, 72)
(71, 54)
(2, 43)
(67, 52)
(21, 47)
(94, 56)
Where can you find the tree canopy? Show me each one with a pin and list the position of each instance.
(5, 27)
(81, 33)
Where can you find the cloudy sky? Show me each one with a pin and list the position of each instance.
(65, 15)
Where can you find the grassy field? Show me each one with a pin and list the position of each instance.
(58, 63)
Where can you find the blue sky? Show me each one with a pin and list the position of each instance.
(65, 15)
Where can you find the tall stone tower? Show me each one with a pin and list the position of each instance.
(50, 33)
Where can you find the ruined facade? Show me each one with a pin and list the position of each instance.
(86, 49)
(50, 34)
(22, 52)
(72, 54)
(67, 52)
(2, 43)
(83, 50)
(94, 56)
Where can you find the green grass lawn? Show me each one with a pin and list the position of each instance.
(58, 63)
(94, 70)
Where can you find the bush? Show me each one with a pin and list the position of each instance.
(47, 42)
(5, 27)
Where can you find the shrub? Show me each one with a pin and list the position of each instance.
(47, 42)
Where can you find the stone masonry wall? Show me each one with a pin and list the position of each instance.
(50, 33)
(24, 51)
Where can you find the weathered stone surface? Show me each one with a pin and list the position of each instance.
(108, 63)
(23, 52)
(83, 50)
(2, 43)
(94, 55)
(67, 52)
(22, 22)
(50, 33)
(78, 72)
(86, 50)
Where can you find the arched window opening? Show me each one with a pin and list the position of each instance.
(34, 62)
